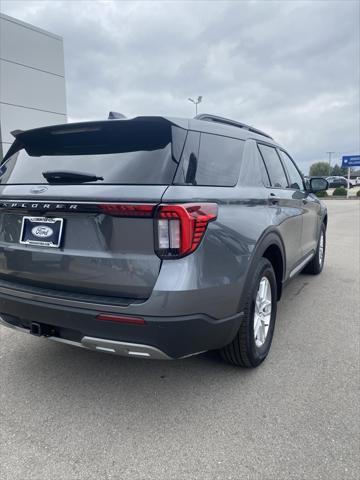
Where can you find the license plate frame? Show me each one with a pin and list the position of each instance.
(49, 231)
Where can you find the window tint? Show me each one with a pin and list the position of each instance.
(273, 166)
(264, 174)
(189, 160)
(294, 175)
(253, 171)
(218, 162)
(126, 152)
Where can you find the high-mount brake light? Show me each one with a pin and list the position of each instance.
(180, 228)
(127, 209)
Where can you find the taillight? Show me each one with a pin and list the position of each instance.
(127, 209)
(180, 228)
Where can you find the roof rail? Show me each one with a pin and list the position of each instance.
(213, 118)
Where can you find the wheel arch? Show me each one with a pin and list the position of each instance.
(275, 257)
(271, 247)
(325, 220)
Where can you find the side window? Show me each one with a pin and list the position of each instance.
(218, 162)
(264, 174)
(253, 171)
(188, 159)
(273, 166)
(295, 178)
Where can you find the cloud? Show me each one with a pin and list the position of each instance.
(289, 68)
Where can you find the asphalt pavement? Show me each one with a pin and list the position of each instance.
(68, 413)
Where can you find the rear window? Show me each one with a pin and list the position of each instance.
(120, 152)
(210, 160)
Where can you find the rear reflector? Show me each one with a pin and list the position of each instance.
(180, 228)
(128, 209)
(121, 319)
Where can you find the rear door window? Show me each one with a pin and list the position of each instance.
(264, 173)
(215, 162)
(273, 166)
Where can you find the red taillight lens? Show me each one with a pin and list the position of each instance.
(127, 209)
(180, 228)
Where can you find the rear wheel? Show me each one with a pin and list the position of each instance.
(253, 340)
(317, 263)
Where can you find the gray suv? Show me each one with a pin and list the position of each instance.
(154, 237)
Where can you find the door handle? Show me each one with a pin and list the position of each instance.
(274, 199)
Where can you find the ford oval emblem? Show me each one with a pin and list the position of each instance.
(38, 189)
(41, 231)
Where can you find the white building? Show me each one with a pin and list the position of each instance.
(32, 79)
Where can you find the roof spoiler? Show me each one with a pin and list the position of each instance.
(15, 133)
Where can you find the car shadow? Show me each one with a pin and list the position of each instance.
(47, 370)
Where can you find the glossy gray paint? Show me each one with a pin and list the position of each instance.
(113, 258)
(102, 255)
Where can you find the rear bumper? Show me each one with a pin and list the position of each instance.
(160, 337)
(124, 349)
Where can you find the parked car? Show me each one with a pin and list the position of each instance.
(335, 182)
(154, 237)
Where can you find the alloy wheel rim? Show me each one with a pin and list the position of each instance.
(262, 314)
(321, 248)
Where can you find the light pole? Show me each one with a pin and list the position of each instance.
(196, 103)
(330, 153)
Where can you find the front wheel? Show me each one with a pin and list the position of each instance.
(253, 340)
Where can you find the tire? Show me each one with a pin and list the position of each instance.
(315, 266)
(245, 350)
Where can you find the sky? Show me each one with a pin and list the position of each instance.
(290, 68)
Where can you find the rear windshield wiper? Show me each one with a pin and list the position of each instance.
(70, 177)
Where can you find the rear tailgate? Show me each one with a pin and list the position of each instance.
(103, 240)
(100, 253)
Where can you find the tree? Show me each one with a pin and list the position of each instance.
(319, 169)
(338, 171)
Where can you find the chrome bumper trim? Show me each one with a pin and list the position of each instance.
(124, 349)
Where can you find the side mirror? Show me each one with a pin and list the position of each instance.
(318, 184)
